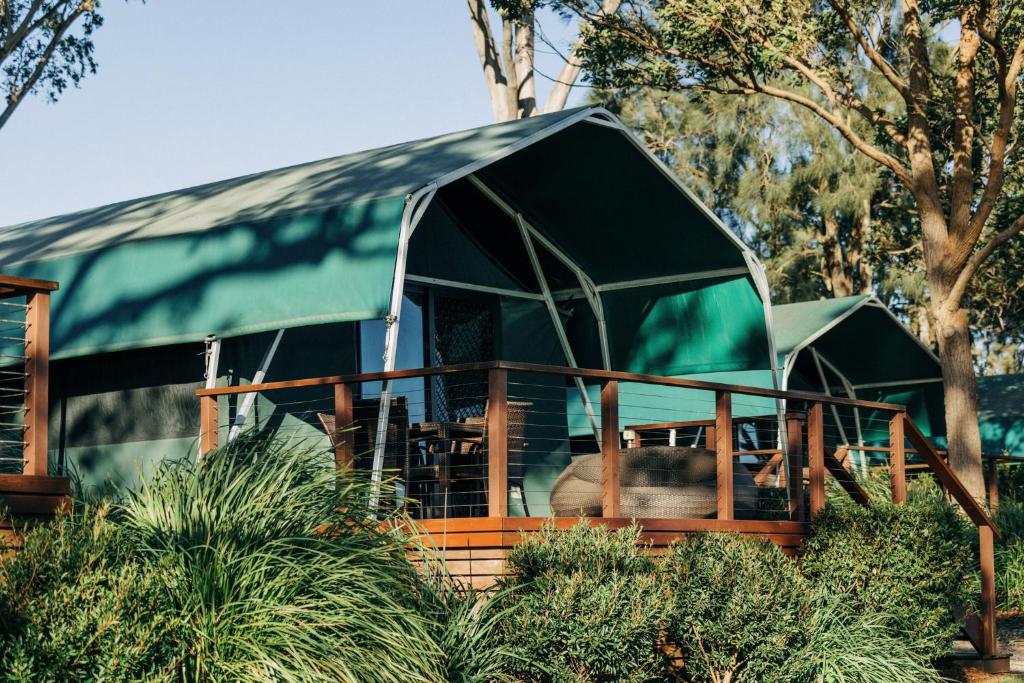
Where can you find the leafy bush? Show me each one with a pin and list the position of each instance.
(583, 605)
(76, 605)
(907, 564)
(737, 607)
(843, 647)
(1010, 519)
(279, 571)
(465, 624)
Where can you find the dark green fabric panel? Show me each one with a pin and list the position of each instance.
(116, 413)
(585, 189)
(687, 328)
(870, 347)
(126, 397)
(1001, 414)
(286, 272)
(649, 404)
(441, 249)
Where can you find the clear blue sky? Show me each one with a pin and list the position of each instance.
(190, 91)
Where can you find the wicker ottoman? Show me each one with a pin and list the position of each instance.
(659, 482)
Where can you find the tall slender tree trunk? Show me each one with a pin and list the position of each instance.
(961, 390)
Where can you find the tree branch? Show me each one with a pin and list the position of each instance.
(956, 293)
(483, 38)
(559, 94)
(880, 62)
(962, 182)
(1007, 83)
(15, 99)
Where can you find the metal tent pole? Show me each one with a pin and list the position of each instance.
(415, 205)
(250, 398)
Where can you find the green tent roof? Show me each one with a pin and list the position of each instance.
(861, 342)
(796, 323)
(319, 242)
(1001, 414)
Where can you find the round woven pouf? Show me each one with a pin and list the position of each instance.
(660, 482)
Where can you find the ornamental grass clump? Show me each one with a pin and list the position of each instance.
(910, 565)
(278, 571)
(841, 646)
(583, 605)
(737, 607)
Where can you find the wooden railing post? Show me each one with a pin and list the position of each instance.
(497, 442)
(343, 437)
(207, 424)
(986, 556)
(795, 481)
(816, 457)
(610, 466)
(723, 453)
(897, 459)
(37, 371)
(993, 485)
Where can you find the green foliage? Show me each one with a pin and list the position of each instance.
(45, 46)
(845, 647)
(737, 607)
(1010, 575)
(583, 605)
(77, 605)
(1010, 554)
(465, 624)
(907, 564)
(278, 569)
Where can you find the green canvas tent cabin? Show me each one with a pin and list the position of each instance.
(855, 347)
(557, 239)
(1001, 415)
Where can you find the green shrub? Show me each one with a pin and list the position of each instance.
(583, 605)
(737, 606)
(279, 571)
(1010, 520)
(1010, 575)
(909, 565)
(843, 647)
(465, 624)
(76, 605)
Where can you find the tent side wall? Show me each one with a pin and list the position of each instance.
(331, 266)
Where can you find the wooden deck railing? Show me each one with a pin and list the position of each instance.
(802, 456)
(27, 491)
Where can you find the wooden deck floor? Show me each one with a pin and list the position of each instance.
(475, 549)
(28, 499)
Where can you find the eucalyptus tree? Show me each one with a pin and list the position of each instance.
(510, 71)
(45, 46)
(950, 138)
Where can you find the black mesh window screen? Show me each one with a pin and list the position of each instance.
(462, 331)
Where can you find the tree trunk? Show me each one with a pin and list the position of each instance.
(837, 278)
(961, 389)
(859, 263)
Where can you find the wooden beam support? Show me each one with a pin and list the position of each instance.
(993, 486)
(611, 480)
(497, 442)
(723, 454)
(816, 457)
(986, 552)
(795, 480)
(344, 436)
(207, 424)
(37, 381)
(898, 459)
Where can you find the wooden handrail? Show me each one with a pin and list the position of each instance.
(12, 285)
(972, 508)
(596, 375)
